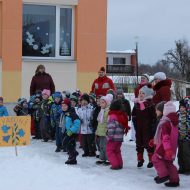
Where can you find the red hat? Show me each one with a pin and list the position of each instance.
(66, 101)
(102, 69)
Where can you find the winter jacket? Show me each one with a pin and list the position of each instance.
(94, 122)
(101, 85)
(102, 126)
(168, 138)
(162, 91)
(40, 82)
(145, 121)
(3, 111)
(85, 115)
(69, 121)
(115, 128)
(20, 111)
(36, 111)
(55, 113)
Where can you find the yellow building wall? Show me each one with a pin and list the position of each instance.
(91, 41)
(11, 49)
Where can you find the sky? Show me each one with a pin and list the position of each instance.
(157, 24)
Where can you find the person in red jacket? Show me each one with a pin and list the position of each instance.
(41, 80)
(161, 88)
(102, 84)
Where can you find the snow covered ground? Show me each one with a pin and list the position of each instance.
(38, 167)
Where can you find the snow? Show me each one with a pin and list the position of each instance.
(39, 167)
(130, 51)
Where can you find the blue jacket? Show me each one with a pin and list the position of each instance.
(55, 114)
(70, 121)
(3, 111)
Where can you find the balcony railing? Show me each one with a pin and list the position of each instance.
(120, 69)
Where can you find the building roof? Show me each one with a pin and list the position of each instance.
(130, 51)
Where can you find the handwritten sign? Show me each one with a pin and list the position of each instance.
(15, 130)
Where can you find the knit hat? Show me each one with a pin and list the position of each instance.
(146, 76)
(108, 98)
(1, 98)
(160, 106)
(57, 95)
(92, 96)
(111, 91)
(74, 98)
(160, 76)
(102, 69)
(85, 97)
(147, 91)
(21, 101)
(169, 107)
(67, 102)
(46, 92)
(120, 92)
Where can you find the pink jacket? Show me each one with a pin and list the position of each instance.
(168, 138)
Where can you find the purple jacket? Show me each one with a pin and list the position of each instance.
(168, 140)
(115, 130)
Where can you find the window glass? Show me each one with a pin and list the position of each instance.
(39, 24)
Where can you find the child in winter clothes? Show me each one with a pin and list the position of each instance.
(184, 136)
(70, 124)
(3, 109)
(88, 137)
(45, 125)
(117, 124)
(21, 109)
(166, 139)
(144, 116)
(37, 114)
(101, 131)
(55, 113)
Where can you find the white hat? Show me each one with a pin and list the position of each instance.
(108, 98)
(146, 76)
(160, 76)
(169, 107)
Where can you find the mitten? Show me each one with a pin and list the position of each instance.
(69, 133)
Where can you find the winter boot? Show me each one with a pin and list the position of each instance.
(150, 164)
(92, 154)
(58, 149)
(99, 162)
(140, 160)
(85, 155)
(71, 162)
(162, 179)
(106, 163)
(170, 184)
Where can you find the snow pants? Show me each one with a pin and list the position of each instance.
(165, 168)
(113, 150)
(102, 145)
(184, 155)
(88, 143)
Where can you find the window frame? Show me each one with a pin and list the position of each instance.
(57, 34)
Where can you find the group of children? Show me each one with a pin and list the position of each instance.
(99, 124)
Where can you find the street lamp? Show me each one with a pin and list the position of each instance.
(137, 64)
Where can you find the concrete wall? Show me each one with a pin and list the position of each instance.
(63, 74)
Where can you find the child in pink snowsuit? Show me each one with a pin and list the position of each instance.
(117, 126)
(166, 140)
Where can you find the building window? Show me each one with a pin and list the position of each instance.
(47, 31)
(107, 60)
(119, 61)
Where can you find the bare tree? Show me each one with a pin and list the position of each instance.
(179, 59)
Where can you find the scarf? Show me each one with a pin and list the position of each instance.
(157, 137)
(141, 103)
(100, 118)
